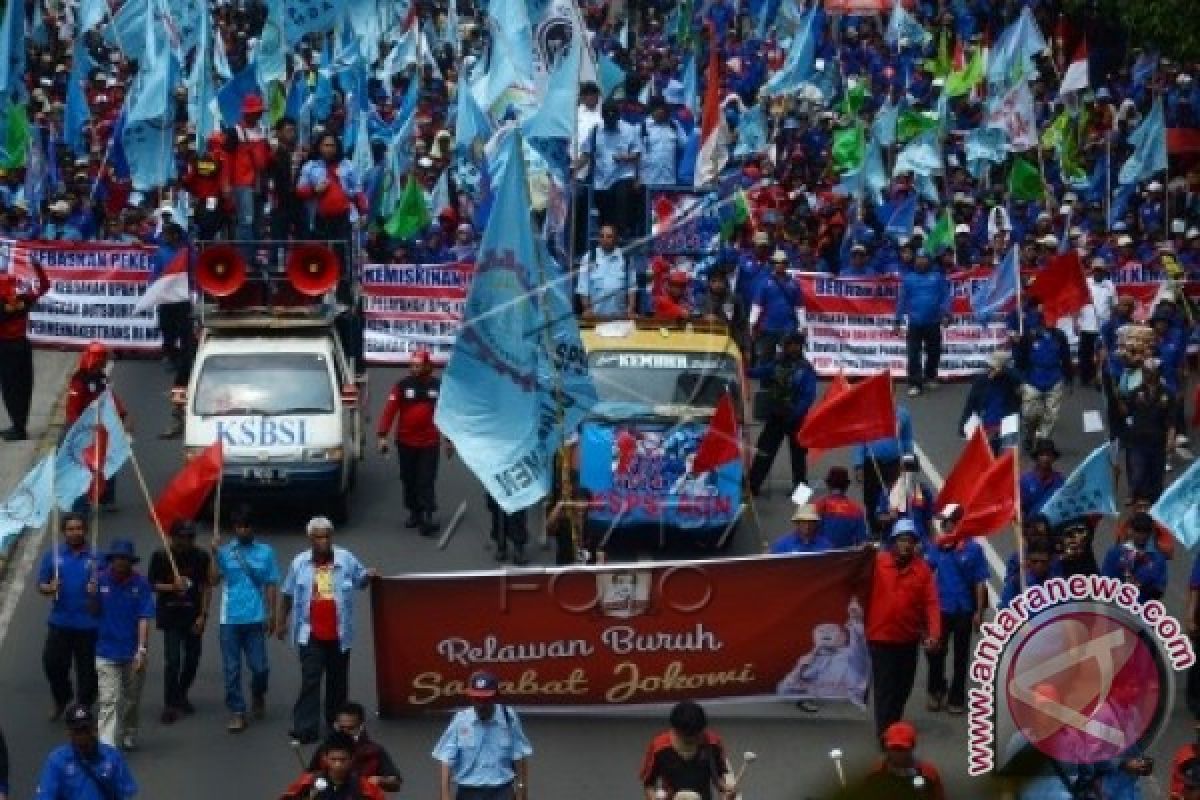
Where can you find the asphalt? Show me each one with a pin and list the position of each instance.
(576, 756)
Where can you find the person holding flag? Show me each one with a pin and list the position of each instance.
(790, 384)
(88, 384)
(994, 395)
(181, 584)
(67, 574)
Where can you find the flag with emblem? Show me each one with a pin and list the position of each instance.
(28, 506)
(1088, 490)
(96, 441)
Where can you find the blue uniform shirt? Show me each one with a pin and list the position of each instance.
(482, 753)
(64, 778)
(1035, 491)
(958, 570)
(71, 608)
(892, 448)
(348, 575)
(792, 543)
(779, 301)
(1147, 567)
(122, 604)
(247, 570)
(924, 297)
(1045, 361)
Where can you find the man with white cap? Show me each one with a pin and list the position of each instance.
(1104, 299)
(58, 228)
(805, 536)
(777, 309)
(994, 395)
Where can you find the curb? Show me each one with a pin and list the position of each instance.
(51, 377)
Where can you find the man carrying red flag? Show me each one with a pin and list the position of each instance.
(790, 383)
(181, 611)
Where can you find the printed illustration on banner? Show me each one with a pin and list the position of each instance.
(837, 663)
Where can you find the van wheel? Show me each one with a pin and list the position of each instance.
(339, 508)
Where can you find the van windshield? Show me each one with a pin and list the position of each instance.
(663, 378)
(264, 383)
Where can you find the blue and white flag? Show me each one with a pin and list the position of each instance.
(610, 74)
(77, 114)
(127, 28)
(875, 178)
(500, 402)
(1177, 509)
(1088, 490)
(506, 81)
(72, 477)
(555, 116)
(798, 67)
(990, 296)
(29, 504)
(1149, 147)
(302, 17)
(1013, 52)
(270, 54)
(884, 126)
(921, 156)
(904, 217)
(903, 25)
(12, 49)
(986, 145)
(691, 90)
(91, 14)
(751, 132)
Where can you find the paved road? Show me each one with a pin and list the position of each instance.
(589, 758)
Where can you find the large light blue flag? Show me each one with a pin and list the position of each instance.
(12, 49)
(147, 146)
(402, 54)
(507, 79)
(798, 67)
(751, 132)
(77, 114)
(29, 504)
(884, 126)
(231, 95)
(986, 144)
(691, 86)
(149, 96)
(921, 156)
(1149, 147)
(498, 397)
(610, 75)
(302, 17)
(1177, 508)
(1013, 52)
(875, 178)
(363, 16)
(555, 116)
(72, 477)
(903, 25)
(990, 296)
(904, 217)
(1088, 490)
(147, 138)
(201, 94)
(182, 20)
(127, 28)
(270, 55)
(91, 14)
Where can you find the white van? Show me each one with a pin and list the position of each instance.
(282, 398)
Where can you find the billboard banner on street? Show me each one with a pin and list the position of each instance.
(411, 307)
(753, 628)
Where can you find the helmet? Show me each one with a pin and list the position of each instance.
(94, 357)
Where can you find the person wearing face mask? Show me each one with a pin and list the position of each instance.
(16, 353)
(484, 751)
(369, 760)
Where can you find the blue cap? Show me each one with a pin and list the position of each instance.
(121, 548)
(904, 527)
(482, 686)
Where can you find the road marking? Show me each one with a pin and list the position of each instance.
(994, 561)
(19, 574)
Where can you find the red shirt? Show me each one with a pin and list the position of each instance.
(249, 157)
(667, 307)
(334, 201)
(904, 602)
(410, 408)
(1182, 756)
(82, 391)
(322, 609)
(14, 310)
(302, 788)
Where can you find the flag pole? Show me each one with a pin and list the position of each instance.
(55, 525)
(141, 479)
(1020, 302)
(216, 534)
(1018, 523)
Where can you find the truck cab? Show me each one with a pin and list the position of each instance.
(658, 385)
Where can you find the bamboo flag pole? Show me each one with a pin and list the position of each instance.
(141, 479)
(216, 534)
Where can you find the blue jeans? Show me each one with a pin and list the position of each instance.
(244, 200)
(251, 639)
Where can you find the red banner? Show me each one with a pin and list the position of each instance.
(746, 628)
(410, 307)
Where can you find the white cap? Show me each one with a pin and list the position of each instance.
(1045, 215)
(60, 207)
(1154, 186)
(918, 231)
(1124, 240)
(1048, 240)
(1070, 197)
(1075, 233)
(961, 228)
(1064, 209)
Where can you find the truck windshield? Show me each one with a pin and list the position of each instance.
(656, 379)
(266, 383)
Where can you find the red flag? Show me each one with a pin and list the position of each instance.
(975, 458)
(1061, 287)
(992, 503)
(838, 385)
(190, 487)
(861, 413)
(720, 444)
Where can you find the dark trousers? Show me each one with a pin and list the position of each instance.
(775, 430)
(507, 527)
(418, 475)
(63, 647)
(211, 225)
(893, 672)
(175, 322)
(878, 478)
(1087, 357)
(337, 231)
(16, 379)
(181, 657)
(956, 632)
(484, 792)
(926, 339)
(618, 207)
(320, 660)
(1146, 466)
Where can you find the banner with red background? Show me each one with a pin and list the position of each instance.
(745, 628)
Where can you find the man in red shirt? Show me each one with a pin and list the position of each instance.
(410, 408)
(337, 777)
(673, 303)
(903, 613)
(16, 353)
(248, 155)
(900, 774)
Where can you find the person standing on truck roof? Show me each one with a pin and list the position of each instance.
(791, 385)
(606, 285)
(410, 408)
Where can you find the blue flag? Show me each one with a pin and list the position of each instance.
(71, 474)
(985, 144)
(751, 132)
(127, 28)
(555, 115)
(12, 49)
(308, 16)
(903, 25)
(990, 297)
(1015, 48)
(904, 217)
(1149, 147)
(76, 114)
(1177, 508)
(691, 90)
(875, 178)
(801, 57)
(1088, 490)
(884, 126)
(610, 75)
(498, 397)
(921, 156)
(29, 504)
(231, 95)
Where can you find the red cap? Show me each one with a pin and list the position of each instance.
(900, 736)
(94, 356)
(421, 357)
(679, 278)
(252, 104)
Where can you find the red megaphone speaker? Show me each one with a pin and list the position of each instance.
(312, 269)
(220, 270)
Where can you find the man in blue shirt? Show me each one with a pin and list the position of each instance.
(86, 768)
(125, 603)
(320, 586)
(614, 150)
(877, 463)
(791, 386)
(1041, 482)
(1044, 362)
(994, 395)
(484, 751)
(924, 304)
(961, 572)
(1136, 562)
(805, 536)
(250, 573)
(66, 574)
(777, 309)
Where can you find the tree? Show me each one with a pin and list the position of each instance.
(1149, 24)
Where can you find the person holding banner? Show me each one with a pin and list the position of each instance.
(16, 353)
(688, 758)
(484, 751)
(66, 574)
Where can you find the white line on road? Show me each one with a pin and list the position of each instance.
(994, 560)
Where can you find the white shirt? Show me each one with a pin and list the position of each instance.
(1097, 312)
(585, 119)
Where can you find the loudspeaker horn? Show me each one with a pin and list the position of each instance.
(312, 269)
(220, 270)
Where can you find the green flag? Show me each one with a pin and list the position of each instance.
(942, 235)
(733, 215)
(1053, 135)
(1024, 181)
(960, 83)
(855, 99)
(942, 65)
(911, 124)
(849, 149)
(411, 215)
(16, 137)
(276, 101)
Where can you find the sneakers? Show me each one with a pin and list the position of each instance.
(914, 391)
(237, 723)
